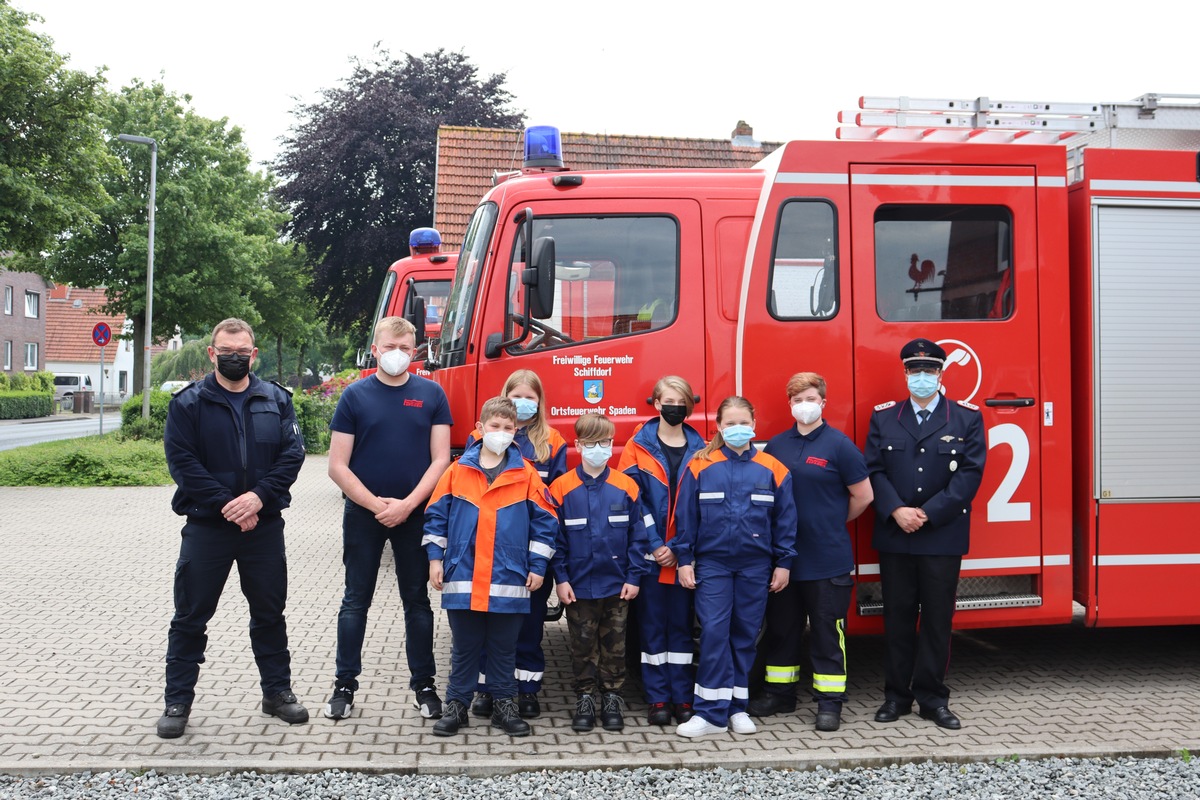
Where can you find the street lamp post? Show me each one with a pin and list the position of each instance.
(153, 145)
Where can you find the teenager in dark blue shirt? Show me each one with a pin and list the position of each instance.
(831, 487)
(390, 444)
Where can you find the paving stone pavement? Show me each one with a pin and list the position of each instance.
(85, 588)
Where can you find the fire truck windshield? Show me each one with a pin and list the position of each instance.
(456, 324)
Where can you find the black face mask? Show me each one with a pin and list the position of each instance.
(233, 367)
(673, 415)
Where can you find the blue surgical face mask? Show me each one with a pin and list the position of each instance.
(595, 455)
(737, 435)
(922, 384)
(526, 408)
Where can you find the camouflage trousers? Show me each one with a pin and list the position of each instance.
(597, 629)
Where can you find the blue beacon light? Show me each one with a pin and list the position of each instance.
(543, 147)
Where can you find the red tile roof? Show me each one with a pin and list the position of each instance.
(69, 326)
(467, 157)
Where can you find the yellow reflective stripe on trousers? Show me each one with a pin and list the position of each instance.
(830, 684)
(834, 684)
(783, 674)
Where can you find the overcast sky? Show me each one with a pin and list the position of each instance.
(646, 67)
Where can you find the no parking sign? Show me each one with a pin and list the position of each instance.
(101, 334)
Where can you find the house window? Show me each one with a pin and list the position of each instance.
(8, 355)
(33, 301)
(123, 382)
(8, 300)
(31, 355)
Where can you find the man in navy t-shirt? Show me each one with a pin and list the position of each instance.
(831, 487)
(390, 444)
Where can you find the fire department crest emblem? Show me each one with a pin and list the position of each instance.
(593, 391)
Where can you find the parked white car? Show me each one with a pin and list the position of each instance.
(67, 383)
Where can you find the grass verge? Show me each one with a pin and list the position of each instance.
(88, 461)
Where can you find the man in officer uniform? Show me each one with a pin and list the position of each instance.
(234, 450)
(925, 455)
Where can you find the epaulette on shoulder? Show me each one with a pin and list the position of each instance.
(190, 385)
(287, 389)
(885, 406)
(965, 404)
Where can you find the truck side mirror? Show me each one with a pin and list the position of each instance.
(539, 278)
(416, 315)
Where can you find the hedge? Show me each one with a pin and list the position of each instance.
(26, 404)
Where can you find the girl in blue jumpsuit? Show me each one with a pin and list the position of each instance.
(735, 541)
(547, 450)
(656, 458)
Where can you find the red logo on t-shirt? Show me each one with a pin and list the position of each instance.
(414, 403)
(820, 462)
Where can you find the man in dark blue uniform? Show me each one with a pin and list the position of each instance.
(925, 455)
(234, 450)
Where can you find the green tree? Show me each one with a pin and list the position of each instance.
(288, 310)
(51, 150)
(185, 364)
(358, 170)
(215, 225)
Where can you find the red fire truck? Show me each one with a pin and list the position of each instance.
(1061, 281)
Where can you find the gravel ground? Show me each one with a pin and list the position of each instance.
(1124, 778)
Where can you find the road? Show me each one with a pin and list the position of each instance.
(17, 433)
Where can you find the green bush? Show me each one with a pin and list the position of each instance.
(314, 413)
(132, 424)
(90, 461)
(315, 407)
(25, 404)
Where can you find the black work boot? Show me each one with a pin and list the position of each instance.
(611, 718)
(454, 716)
(507, 717)
(174, 720)
(768, 704)
(481, 706)
(829, 716)
(529, 706)
(585, 714)
(285, 706)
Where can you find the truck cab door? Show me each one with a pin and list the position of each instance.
(950, 253)
(628, 309)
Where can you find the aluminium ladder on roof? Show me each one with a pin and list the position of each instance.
(1152, 121)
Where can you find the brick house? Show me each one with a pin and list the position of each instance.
(23, 322)
(71, 313)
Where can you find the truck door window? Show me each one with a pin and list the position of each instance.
(937, 262)
(456, 321)
(613, 276)
(804, 279)
(435, 295)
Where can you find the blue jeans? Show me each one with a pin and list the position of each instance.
(363, 539)
(206, 554)
(473, 634)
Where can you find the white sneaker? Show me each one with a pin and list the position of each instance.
(741, 723)
(699, 726)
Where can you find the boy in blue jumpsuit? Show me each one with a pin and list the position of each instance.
(736, 536)
(489, 533)
(829, 482)
(599, 562)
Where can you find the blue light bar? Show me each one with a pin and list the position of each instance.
(543, 147)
